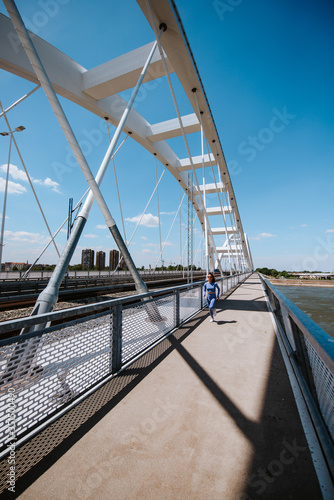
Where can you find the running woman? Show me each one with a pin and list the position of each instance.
(210, 288)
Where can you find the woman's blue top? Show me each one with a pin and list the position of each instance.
(211, 288)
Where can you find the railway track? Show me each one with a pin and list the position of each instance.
(21, 306)
(16, 301)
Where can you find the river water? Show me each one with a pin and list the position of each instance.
(316, 302)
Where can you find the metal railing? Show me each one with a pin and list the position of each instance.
(311, 352)
(44, 373)
(40, 275)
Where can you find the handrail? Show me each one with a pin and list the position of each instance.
(311, 353)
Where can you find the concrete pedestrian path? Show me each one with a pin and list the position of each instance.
(207, 414)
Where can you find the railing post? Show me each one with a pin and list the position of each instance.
(116, 341)
(303, 361)
(177, 309)
(288, 326)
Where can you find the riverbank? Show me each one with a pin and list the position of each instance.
(306, 283)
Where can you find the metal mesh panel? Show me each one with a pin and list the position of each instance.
(144, 324)
(190, 302)
(324, 384)
(66, 362)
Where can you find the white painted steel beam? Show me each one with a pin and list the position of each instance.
(222, 230)
(209, 188)
(222, 250)
(218, 211)
(122, 73)
(185, 164)
(171, 128)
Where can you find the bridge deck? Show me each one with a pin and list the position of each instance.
(207, 414)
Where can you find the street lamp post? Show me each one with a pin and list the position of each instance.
(18, 129)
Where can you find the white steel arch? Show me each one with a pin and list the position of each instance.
(97, 91)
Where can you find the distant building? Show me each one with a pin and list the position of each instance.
(313, 276)
(9, 266)
(122, 264)
(87, 259)
(100, 260)
(113, 259)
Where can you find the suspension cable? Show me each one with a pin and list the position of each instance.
(228, 203)
(165, 242)
(77, 206)
(149, 201)
(29, 179)
(221, 205)
(5, 201)
(19, 100)
(205, 211)
(156, 180)
(199, 246)
(119, 200)
(181, 254)
(116, 181)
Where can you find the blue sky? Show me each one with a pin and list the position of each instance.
(267, 69)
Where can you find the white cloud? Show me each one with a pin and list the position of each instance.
(263, 235)
(266, 235)
(148, 220)
(90, 236)
(48, 183)
(147, 250)
(143, 238)
(14, 172)
(168, 213)
(303, 225)
(101, 226)
(329, 231)
(19, 175)
(25, 237)
(13, 187)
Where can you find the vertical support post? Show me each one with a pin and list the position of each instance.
(116, 347)
(69, 220)
(177, 309)
(5, 202)
(301, 356)
(204, 199)
(190, 229)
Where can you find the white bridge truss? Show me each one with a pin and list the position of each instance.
(97, 90)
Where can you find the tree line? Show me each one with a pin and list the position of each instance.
(273, 272)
